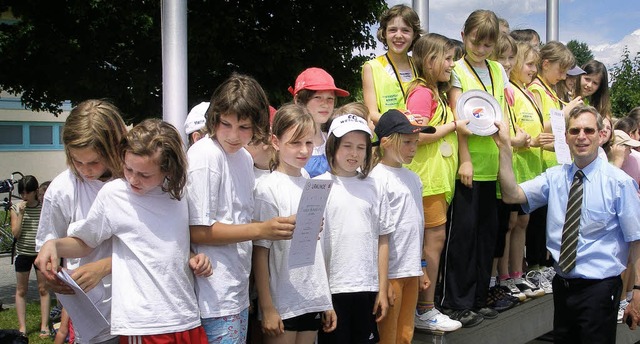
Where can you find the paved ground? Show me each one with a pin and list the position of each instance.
(8, 283)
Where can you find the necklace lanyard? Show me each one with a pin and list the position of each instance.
(551, 92)
(443, 105)
(533, 103)
(512, 120)
(395, 71)
(478, 77)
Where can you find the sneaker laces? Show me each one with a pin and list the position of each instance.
(533, 277)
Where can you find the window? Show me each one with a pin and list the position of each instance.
(24, 136)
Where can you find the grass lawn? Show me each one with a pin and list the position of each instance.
(9, 320)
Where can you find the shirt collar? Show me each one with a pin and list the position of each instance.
(588, 170)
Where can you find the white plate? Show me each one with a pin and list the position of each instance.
(481, 109)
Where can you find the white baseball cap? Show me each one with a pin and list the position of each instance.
(344, 124)
(196, 118)
(623, 138)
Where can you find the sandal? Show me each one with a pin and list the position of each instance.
(44, 335)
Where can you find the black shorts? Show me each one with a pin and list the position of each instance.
(304, 322)
(24, 263)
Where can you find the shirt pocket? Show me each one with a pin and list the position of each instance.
(593, 223)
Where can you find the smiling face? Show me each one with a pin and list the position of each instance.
(527, 73)
(589, 83)
(293, 152)
(507, 60)
(476, 52)
(583, 138)
(445, 68)
(233, 134)
(399, 36)
(88, 162)
(143, 172)
(351, 153)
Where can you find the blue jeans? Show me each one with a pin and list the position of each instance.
(230, 329)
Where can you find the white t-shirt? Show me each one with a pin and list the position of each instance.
(295, 291)
(67, 200)
(404, 193)
(220, 189)
(153, 291)
(357, 214)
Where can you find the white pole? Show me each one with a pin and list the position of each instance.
(174, 63)
(422, 8)
(552, 20)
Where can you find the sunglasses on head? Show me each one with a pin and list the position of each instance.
(587, 131)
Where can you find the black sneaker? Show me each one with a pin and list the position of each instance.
(498, 300)
(467, 317)
(487, 312)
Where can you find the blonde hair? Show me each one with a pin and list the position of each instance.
(555, 51)
(524, 49)
(486, 22)
(408, 15)
(154, 136)
(291, 116)
(431, 50)
(98, 125)
(355, 108)
(393, 143)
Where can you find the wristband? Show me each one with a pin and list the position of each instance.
(636, 287)
(423, 263)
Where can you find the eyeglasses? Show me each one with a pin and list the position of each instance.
(576, 131)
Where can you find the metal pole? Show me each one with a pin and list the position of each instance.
(552, 20)
(422, 8)
(174, 63)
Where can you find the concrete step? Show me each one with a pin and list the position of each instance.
(528, 323)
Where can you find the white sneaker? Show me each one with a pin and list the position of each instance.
(621, 309)
(528, 288)
(510, 287)
(433, 320)
(539, 279)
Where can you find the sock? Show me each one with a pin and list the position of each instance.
(629, 295)
(503, 277)
(492, 282)
(517, 274)
(534, 267)
(424, 306)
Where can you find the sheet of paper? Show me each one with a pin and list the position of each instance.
(308, 222)
(563, 155)
(86, 317)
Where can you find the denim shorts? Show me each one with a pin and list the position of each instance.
(230, 329)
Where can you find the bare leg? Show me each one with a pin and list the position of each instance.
(433, 244)
(518, 236)
(22, 284)
(45, 302)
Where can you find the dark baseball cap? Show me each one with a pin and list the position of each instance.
(395, 121)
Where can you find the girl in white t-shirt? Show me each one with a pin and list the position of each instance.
(153, 295)
(294, 302)
(355, 236)
(91, 138)
(398, 140)
(220, 194)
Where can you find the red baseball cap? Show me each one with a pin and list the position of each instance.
(316, 79)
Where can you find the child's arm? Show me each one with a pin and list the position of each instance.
(16, 219)
(277, 228)
(271, 322)
(464, 157)
(48, 260)
(382, 303)
(369, 93)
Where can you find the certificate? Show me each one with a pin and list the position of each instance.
(563, 155)
(86, 316)
(308, 222)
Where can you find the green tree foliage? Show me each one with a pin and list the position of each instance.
(74, 50)
(625, 90)
(581, 51)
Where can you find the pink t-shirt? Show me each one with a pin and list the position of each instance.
(420, 102)
(631, 165)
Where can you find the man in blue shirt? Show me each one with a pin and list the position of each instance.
(605, 208)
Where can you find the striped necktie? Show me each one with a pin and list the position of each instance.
(571, 225)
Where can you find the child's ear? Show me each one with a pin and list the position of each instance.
(384, 141)
(275, 142)
(295, 99)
